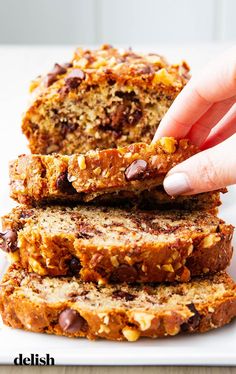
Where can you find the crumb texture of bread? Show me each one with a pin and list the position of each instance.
(102, 99)
(69, 307)
(109, 245)
(132, 174)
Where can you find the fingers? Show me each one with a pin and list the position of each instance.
(204, 125)
(215, 83)
(209, 170)
(187, 108)
(224, 129)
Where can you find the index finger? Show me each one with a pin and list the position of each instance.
(215, 83)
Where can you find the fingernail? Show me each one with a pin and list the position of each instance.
(177, 184)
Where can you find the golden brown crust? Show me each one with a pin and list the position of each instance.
(41, 178)
(23, 305)
(118, 245)
(115, 169)
(129, 66)
(102, 99)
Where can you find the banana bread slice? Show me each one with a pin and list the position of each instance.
(108, 245)
(134, 173)
(102, 99)
(69, 307)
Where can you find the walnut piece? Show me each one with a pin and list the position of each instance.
(210, 240)
(36, 266)
(168, 144)
(131, 334)
(81, 162)
(168, 267)
(144, 320)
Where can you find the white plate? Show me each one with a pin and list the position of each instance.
(213, 348)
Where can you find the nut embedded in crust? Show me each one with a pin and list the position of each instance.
(81, 162)
(168, 144)
(144, 320)
(130, 334)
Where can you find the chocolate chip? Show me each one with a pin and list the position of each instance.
(63, 185)
(52, 76)
(67, 127)
(136, 170)
(50, 79)
(127, 95)
(120, 115)
(71, 321)
(124, 273)
(67, 65)
(74, 79)
(111, 81)
(193, 322)
(58, 69)
(9, 241)
(75, 265)
(118, 294)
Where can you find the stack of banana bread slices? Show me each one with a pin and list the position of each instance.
(97, 248)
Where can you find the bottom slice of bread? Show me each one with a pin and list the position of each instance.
(67, 306)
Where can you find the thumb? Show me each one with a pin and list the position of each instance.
(209, 170)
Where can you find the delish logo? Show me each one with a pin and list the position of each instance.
(34, 360)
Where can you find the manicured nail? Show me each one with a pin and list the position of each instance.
(177, 184)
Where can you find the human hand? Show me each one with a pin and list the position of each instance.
(205, 112)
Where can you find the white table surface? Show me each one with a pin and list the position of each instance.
(18, 65)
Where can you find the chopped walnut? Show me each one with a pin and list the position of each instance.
(36, 266)
(114, 261)
(144, 320)
(168, 267)
(168, 144)
(81, 162)
(131, 334)
(97, 171)
(104, 328)
(210, 240)
(162, 76)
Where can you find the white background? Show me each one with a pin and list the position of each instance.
(116, 21)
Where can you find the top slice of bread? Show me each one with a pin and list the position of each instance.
(133, 173)
(102, 99)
